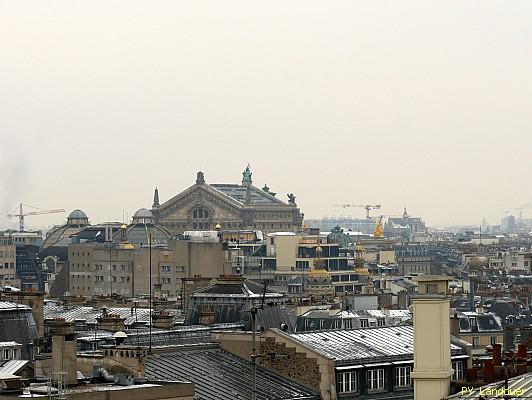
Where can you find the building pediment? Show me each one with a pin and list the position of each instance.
(199, 195)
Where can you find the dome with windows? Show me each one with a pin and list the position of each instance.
(143, 216)
(77, 220)
(141, 227)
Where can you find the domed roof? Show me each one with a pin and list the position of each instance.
(142, 216)
(76, 221)
(143, 213)
(77, 214)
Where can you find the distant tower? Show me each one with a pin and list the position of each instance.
(155, 206)
(405, 214)
(156, 198)
(484, 225)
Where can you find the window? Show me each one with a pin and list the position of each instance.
(376, 379)
(98, 278)
(493, 340)
(165, 268)
(200, 213)
(347, 382)
(381, 322)
(402, 376)
(348, 324)
(476, 341)
(458, 373)
(166, 280)
(301, 265)
(364, 323)
(6, 354)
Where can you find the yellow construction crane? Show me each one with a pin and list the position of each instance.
(21, 214)
(378, 232)
(367, 207)
(379, 229)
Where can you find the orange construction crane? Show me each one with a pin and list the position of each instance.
(367, 207)
(21, 214)
(379, 229)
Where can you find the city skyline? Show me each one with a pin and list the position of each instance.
(404, 105)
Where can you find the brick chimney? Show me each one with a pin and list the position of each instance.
(163, 320)
(110, 322)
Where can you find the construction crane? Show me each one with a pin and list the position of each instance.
(379, 229)
(22, 214)
(367, 207)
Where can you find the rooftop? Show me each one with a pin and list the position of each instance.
(220, 375)
(368, 345)
(522, 382)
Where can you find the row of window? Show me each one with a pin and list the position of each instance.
(7, 277)
(7, 254)
(348, 382)
(168, 268)
(82, 254)
(476, 341)
(8, 265)
(10, 354)
(123, 279)
(345, 323)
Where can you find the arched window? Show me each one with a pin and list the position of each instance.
(200, 213)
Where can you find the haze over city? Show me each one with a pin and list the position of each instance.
(395, 103)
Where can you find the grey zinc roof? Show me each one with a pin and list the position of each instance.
(219, 375)
(12, 367)
(364, 345)
(522, 382)
(484, 322)
(238, 193)
(89, 314)
(7, 305)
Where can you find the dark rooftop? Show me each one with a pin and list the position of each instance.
(219, 375)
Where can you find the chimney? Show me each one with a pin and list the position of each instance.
(64, 351)
(489, 371)
(455, 325)
(163, 320)
(521, 350)
(496, 354)
(110, 322)
(526, 338)
(432, 339)
(508, 338)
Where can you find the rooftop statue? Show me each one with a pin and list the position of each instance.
(291, 199)
(246, 175)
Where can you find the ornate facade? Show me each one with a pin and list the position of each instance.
(234, 206)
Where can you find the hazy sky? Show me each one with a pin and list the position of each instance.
(421, 104)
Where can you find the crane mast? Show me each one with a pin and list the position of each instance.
(22, 214)
(367, 207)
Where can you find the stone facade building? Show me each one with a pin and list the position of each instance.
(8, 272)
(234, 206)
